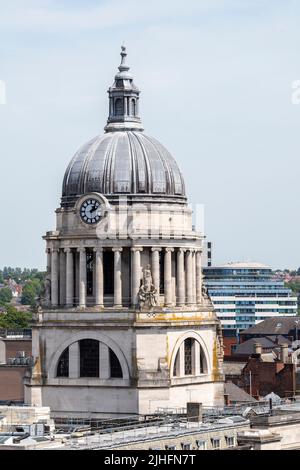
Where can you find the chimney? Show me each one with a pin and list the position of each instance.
(257, 348)
(226, 399)
(194, 412)
(284, 352)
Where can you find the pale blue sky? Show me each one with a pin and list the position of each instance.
(216, 81)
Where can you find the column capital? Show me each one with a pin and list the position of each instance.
(169, 249)
(98, 249)
(191, 250)
(136, 248)
(68, 250)
(48, 250)
(81, 249)
(117, 249)
(182, 250)
(54, 250)
(156, 248)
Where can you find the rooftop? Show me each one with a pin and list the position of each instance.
(282, 325)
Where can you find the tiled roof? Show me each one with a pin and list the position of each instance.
(237, 394)
(273, 326)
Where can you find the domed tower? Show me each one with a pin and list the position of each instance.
(124, 326)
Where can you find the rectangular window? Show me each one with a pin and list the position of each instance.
(230, 441)
(89, 358)
(216, 443)
(186, 446)
(188, 343)
(201, 445)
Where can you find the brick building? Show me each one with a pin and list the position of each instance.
(266, 373)
(15, 359)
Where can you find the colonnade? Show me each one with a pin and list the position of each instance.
(181, 271)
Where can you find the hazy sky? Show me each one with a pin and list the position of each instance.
(216, 79)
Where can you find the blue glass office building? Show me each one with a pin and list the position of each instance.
(244, 294)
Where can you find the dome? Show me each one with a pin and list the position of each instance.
(124, 161)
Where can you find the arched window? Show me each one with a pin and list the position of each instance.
(63, 364)
(190, 359)
(132, 107)
(115, 366)
(89, 358)
(119, 107)
(86, 354)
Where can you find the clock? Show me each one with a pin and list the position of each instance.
(90, 211)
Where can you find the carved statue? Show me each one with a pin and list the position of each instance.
(147, 293)
(204, 292)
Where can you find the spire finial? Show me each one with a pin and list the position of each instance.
(123, 67)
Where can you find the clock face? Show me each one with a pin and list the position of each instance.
(90, 211)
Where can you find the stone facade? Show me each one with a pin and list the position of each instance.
(124, 326)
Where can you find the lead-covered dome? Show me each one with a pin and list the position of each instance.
(124, 161)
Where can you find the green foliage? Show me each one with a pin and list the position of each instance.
(20, 275)
(294, 286)
(13, 319)
(5, 295)
(31, 291)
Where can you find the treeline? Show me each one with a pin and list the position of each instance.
(20, 275)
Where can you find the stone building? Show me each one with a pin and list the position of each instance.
(125, 326)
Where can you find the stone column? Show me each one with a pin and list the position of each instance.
(181, 360)
(99, 276)
(74, 361)
(189, 277)
(82, 277)
(62, 278)
(117, 277)
(194, 275)
(198, 277)
(168, 276)
(48, 289)
(155, 268)
(136, 274)
(48, 251)
(69, 278)
(104, 366)
(196, 358)
(54, 277)
(180, 277)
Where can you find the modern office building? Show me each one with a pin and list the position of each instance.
(206, 253)
(244, 294)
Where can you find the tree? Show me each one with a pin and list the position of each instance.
(5, 295)
(13, 319)
(28, 294)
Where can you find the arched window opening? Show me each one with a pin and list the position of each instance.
(133, 107)
(89, 358)
(63, 364)
(115, 366)
(176, 370)
(119, 107)
(188, 348)
(190, 359)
